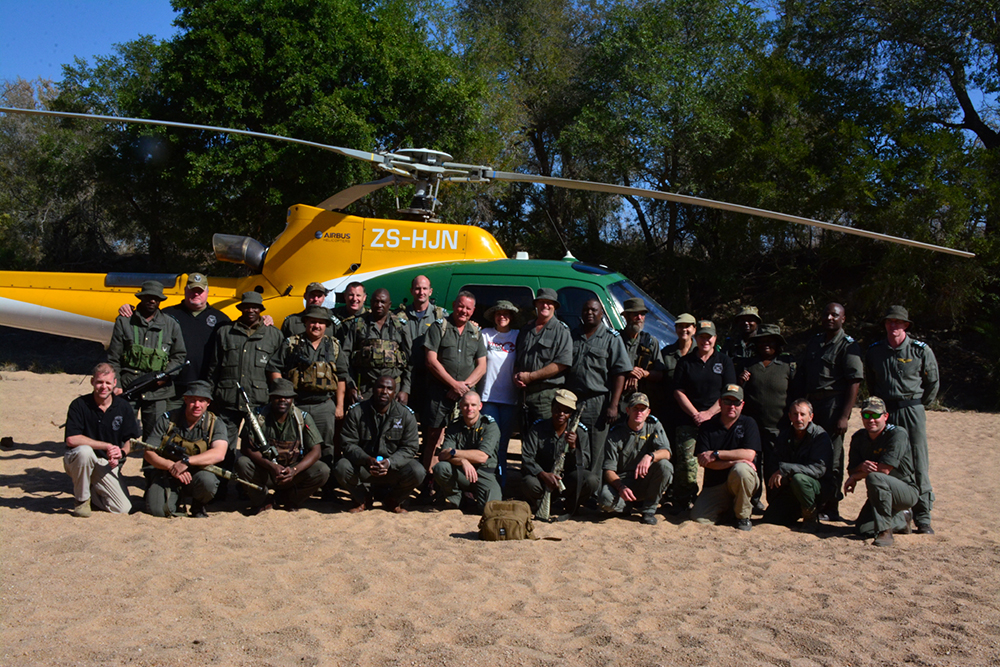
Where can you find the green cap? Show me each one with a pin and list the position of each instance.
(151, 288)
(197, 280)
(750, 312)
(706, 327)
(638, 398)
(897, 313)
(318, 313)
(874, 404)
(251, 299)
(547, 294)
(685, 318)
(282, 388)
(635, 305)
(316, 287)
(733, 391)
(768, 331)
(199, 389)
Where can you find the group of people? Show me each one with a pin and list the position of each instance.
(418, 404)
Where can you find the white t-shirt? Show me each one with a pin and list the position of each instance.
(499, 387)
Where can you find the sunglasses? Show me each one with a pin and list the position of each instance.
(730, 401)
(871, 415)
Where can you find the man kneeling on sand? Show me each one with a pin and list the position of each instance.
(98, 428)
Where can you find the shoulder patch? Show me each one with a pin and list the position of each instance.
(890, 427)
(919, 343)
(489, 420)
(439, 320)
(583, 426)
(652, 420)
(407, 407)
(876, 343)
(565, 326)
(539, 421)
(849, 339)
(615, 333)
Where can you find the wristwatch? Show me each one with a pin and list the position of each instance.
(715, 455)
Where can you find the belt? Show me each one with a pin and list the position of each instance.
(903, 403)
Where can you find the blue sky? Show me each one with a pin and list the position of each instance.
(38, 37)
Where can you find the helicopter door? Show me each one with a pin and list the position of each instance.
(571, 300)
(487, 295)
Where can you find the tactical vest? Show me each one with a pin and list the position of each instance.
(318, 376)
(191, 447)
(644, 351)
(145, 359)
(379, 354)
(289, 452)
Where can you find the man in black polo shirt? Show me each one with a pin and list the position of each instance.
(98, 428)
(729, 450)
(698, 383)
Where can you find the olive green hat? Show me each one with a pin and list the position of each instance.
(318, 313)
(897, 313)
(638, 398)
(197, 280)
(706, 326)
(685, 318)
(199, 389)
(502, 304)
(316, 287)
(768, 331)
(733, 391)
(874, 404)
(151, 288)
(547, 294)
(751, 312)
(635, 305)
(251, 299)
(282, 388)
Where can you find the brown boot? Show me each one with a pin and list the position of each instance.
(884, 539)
(82, 509)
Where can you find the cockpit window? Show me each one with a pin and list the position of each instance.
(659, 321)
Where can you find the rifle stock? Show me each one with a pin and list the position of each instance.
(545, 505)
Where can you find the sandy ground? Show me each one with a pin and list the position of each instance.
(325, 587)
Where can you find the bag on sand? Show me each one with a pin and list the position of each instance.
(506, 520)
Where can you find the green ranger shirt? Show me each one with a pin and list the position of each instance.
(367, 433)
(625, 447)
(671, 354)
(596, 360)
(810, 456)
(241, 356)
(457, 352)
(360, 336)
(553, 344)
(285, 432)
(344, 319)
(909, 372)
(161, 333)
(891, 447)
(766, 392)
(314, 372)
(484, 435)
(538, 451)
(644, 351)
(829, 367)
(419, 324)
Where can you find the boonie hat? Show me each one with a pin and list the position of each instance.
(749, 311)
(897, 313)
(318, 313)
(197, 280)
(638, 398)
(635, 305)
(316, 287)
(874, 404)
(706, 326)
(151, 288)
(282, 388)
(565, 397)
(199, 389)
(733, 391)
(547, 294)
(685, 318)
(502, 304)
(768, 331)
(251, 299)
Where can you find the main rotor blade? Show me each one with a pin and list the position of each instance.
(711, 203)
(375, 158)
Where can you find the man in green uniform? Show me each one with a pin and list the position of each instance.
(904, 372)
(597, 376)
(315, 295)
(380, 443)
(242, 351)
(637, 468)
(353, 307)
(378, 343)
(797, 468)
(289, 462)
(643, 353)
(147, 342)
(456, 362)
(881, 456)
(316, 365)
(204, 439)
(830, 374)
(419, 315)
(468, 456)
(543, 443)
(739, 347)
(544, 352)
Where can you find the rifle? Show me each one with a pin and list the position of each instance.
(138, 386)
(257, 439)
(175, 452)
(545, 506)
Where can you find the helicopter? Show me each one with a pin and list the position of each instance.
(323, 243)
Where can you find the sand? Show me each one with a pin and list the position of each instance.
(324, 587)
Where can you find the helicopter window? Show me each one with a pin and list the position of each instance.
(659, 322)
(571, 300)
(487, 295)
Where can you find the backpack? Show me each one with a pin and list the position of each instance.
(506, 520)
